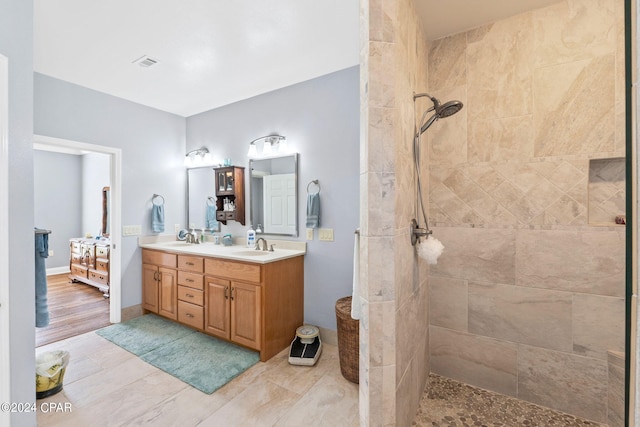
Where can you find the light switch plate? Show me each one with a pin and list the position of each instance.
(309, 233)
(50, 252)
(132, 230)
(325, 234)
(176, 227)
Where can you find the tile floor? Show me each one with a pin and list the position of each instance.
(107, 386)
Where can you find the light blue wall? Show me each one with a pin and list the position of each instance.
(152, 144)
(58, 201)
(320, 119)
(16, 43)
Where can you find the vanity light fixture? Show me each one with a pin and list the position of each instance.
(268, 146)
(198, 157)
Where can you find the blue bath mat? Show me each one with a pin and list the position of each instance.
(202, 361)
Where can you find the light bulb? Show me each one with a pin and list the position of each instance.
(266, 150)
(252, 150)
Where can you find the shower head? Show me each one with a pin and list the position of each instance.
(448, 109)
(441, 110)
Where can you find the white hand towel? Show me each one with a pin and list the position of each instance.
(355, 296)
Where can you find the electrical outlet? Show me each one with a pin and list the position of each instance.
(50, 252)
(325, 234)
(309, 233)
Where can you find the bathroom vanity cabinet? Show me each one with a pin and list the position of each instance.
(256, 305)
(159, 284)
(89, 263)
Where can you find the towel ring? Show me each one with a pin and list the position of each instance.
(314, 181)
(156, 196)
(211, 201)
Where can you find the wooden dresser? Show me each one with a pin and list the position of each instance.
(89, 262)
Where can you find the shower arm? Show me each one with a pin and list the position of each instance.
(417, 232)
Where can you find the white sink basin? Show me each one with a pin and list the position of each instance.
(252, 253)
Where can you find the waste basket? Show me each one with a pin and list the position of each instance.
(50, 369)
(348, 340)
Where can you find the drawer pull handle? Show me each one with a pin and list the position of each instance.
(189, 315)
(190, 263)
(189, 295)
(232, 293)
(226, 288)
(190, 280)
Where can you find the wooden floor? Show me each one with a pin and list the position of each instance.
(74, 308)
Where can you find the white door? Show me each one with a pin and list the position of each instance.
(280, 203)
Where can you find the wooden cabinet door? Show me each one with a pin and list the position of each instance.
(217, 311)
(168, 293)
(246, 314)
(150, 287)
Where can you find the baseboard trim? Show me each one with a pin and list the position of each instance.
(131, 312)
(57, 270)
(329, 336)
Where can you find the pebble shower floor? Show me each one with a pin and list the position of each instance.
(446, 403)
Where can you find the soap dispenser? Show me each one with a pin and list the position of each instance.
(251, 238)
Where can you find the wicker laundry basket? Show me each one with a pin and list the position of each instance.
(348, 340)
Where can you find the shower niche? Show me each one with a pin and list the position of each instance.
(606, 191)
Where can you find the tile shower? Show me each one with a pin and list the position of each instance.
(524, 187)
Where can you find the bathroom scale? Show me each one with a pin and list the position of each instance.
(306, 347)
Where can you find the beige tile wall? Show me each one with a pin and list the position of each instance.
(528, 298)
(394, 363)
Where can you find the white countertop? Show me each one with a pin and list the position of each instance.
(233, 252)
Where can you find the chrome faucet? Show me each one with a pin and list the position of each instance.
(191, 237)
(264, 246)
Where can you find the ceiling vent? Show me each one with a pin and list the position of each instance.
(146, 61)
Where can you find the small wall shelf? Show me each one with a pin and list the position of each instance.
(230, 185)
(606, 190)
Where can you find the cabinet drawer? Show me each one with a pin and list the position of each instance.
(159, 258)
(233, 270)
(75, 247)
(221, 215)
(191, 280)
(191, 295)
(78, 270)
(102, 265)
(230, 215)
(99, 276)
(102, 252)
(76, 258)
(191, 263)
(191, 314)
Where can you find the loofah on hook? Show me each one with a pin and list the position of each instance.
(430, 250)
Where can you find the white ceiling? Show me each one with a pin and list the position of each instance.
(215, 52)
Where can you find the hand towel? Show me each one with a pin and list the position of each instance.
(212, 222)
(157, 218)
(313, 210)
(355, 294)
(41, 252)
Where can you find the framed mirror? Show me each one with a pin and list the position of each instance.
(201, 196)
(273, 195)
(105, 211)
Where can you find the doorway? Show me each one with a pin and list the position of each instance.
(114, 220)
